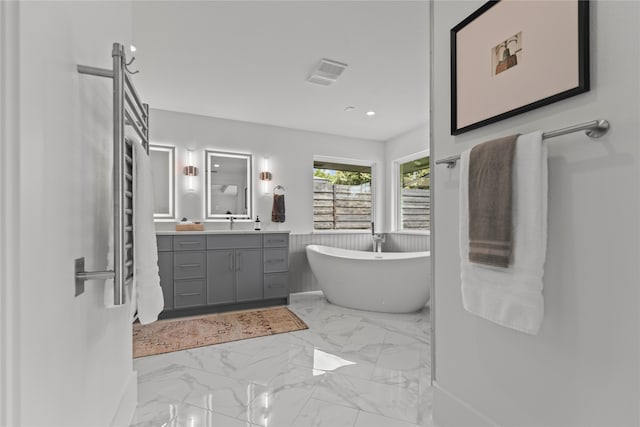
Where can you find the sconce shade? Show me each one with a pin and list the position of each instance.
(265, 176)
(191, 171)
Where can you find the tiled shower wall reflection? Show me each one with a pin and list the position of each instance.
(300, 277)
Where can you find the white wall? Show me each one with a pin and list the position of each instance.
(409, 143)
(291, 155)
(75, 355)
(583, 367)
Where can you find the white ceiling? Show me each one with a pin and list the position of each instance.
(249, 60)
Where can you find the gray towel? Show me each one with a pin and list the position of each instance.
(490, 186)
(277, 212)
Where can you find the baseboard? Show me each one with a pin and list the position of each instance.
(450, 411)
(128, 403)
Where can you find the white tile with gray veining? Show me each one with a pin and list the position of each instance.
(317, 413)
(350, 368)
(392, 401)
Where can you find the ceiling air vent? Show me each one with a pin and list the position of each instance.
(326, 72)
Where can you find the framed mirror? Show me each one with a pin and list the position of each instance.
(162, 159)
(228, 188)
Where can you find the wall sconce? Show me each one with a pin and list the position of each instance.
(190, 171)
(265, 175)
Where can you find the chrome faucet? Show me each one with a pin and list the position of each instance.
(378, 239)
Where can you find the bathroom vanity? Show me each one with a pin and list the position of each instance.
(209, 271)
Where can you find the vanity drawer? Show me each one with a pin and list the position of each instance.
(189, 265)
(189, 293)
(276, 259)
(276, 285)
(165, 243)
(189, 243)
(276, 240)
(226, 241)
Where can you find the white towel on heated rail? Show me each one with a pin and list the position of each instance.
(511, 296)
(146, 282)
(145, 293)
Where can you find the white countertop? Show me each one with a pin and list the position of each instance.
(174, 233)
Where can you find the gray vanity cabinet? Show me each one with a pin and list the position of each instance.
(242, 253)
(214, 272)
(189, 271)
(276, 266)
(249, 274)
(221, 275)
(165, 267)
(189, 285)
(165, 264)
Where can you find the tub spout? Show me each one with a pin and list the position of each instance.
(378, 240)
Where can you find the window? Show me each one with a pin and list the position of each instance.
(341, 196)
(414, 195)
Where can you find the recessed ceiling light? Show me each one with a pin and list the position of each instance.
(371, 113)
(216, 165)
(132, 48)
(349, 108)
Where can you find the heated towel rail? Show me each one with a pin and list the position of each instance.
(128, 110)
(593, 129)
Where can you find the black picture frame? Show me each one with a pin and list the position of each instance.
(583, 68)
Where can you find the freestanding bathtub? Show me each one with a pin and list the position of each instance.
(391, 282)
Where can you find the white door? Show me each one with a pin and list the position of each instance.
(8, 212)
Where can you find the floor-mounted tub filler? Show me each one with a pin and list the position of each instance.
(391, 282)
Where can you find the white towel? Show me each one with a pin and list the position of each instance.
(146, 281)
(145, 293)
(511, 296)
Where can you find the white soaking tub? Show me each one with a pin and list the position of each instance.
(391, 282)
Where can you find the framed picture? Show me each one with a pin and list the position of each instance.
(510, 57)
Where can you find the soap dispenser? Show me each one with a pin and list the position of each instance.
(257, 223)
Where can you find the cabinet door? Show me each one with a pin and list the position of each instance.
(221, 276)
(165, 265)
(249, 274)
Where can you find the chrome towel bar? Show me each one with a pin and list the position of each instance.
(593, 129)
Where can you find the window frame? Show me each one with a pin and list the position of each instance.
(396, 214)
(374, 176)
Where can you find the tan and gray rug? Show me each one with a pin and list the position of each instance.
(165, 336)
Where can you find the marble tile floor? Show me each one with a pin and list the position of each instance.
(350, 368)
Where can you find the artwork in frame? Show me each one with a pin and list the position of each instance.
(510, 57)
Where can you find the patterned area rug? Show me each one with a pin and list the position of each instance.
(165, 336)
